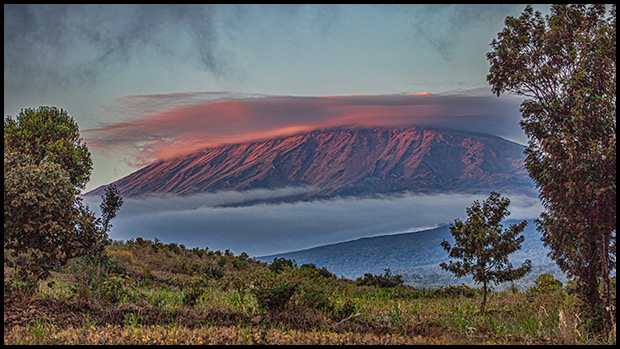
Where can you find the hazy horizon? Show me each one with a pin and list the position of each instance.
(211, 219)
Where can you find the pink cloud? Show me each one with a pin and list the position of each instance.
(185, 122)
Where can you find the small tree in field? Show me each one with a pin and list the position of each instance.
(111, 203)
(483, 246)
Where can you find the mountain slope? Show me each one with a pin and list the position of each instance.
(341, 161)
(407, 253)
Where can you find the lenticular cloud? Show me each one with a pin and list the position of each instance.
(184, 123)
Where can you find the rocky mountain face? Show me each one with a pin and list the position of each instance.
(341, 161)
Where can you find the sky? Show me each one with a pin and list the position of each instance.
(149, 82)
(142, 78)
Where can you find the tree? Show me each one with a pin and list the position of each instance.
(49, 132)
(45, 166)
(43, 218)
(111, 203)
(565, 66)
(483, 245)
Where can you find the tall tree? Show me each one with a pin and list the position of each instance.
(483, 246)
(49, 132)
(565, 66)
(45, 166)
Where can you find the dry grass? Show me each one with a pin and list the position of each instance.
(145, 300)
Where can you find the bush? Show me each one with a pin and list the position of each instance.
(343, 310)
(546, 283)
(280, 264)
(312, 271)
(273, 292)
(121, 255)
(315, 296)
(213, 271)
(386, 280)
(112, 289)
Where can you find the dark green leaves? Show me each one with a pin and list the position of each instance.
(565, 63)
(482, 245)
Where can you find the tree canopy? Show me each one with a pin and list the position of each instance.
(482, 246)
(565, 66)
(45, 166)
(49, 132)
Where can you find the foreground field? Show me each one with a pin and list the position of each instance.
(143, 292)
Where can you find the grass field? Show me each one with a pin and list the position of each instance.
(145, 292)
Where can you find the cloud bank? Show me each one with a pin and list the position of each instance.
(263, 229)
(164, 126)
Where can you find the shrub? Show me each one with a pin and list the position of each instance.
(112, 289)
(213, 271)
(343, 310)
(121, 255)
(280, 264)
(311, 270)
(315, 296)
(239, 263)
(546, 283)
(273, 292)
(147, 276)
(384, 281)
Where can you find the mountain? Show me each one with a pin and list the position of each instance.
(341, 161)
(416, 255)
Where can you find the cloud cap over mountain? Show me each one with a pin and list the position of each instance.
(165, 126)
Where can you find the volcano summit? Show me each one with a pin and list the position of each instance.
(344, 161)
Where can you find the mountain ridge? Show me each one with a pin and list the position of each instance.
(344, 161)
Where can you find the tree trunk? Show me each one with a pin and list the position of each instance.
(484, 297)
(607, 316)
(589, 279)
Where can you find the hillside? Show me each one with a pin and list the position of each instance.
(341, 161)
(147, 292)
(415, 254)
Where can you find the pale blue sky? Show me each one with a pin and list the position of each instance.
(89, 59)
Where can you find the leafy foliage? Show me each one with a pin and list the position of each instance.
(273, 292)
(546, 283)
(110, 204)
(49, 133)
(115, 305)
(386, 280)
(43, 217)
(45, 166)
(565, 64)
(280, 264)
(483, 246)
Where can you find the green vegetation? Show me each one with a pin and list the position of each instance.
(483, 246)
(148, 292)
(66, 283)
(45, 166)
(564, 64)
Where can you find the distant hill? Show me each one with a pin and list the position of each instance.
(341, 161)
(415, 255)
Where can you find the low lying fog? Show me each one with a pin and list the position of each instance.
(263, 229)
